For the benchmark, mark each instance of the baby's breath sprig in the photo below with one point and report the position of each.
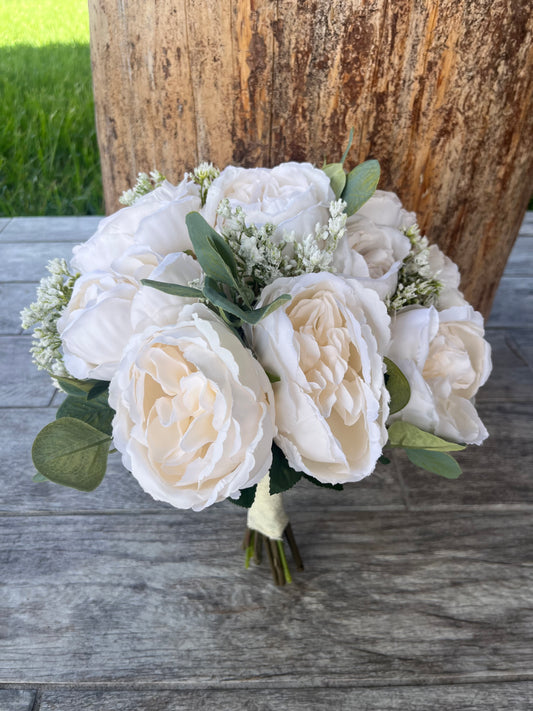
(53, 294)
(417, 282)
(203, 176)
(261, 259)
(144, 185)
(315, 252)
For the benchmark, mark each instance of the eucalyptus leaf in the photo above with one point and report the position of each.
(71, 452)
(212, 252)
(408, 436)
(282, 475)
(361, 184)
(439, 463)
(95, 412)
(397, 385)
(324, 485)
(246, 499)
(337, 177)
(173, 289)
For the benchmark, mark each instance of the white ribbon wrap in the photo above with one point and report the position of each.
(267, 514)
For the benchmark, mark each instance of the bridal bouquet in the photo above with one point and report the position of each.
(248, 328)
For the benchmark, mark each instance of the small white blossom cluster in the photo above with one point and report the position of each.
(261, 259)
(53, 295)
(417, 282)
(203, 175)
(315, 252)
(145, 184)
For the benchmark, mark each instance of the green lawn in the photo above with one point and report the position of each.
(49, 162)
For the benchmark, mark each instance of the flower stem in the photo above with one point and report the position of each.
(283, 559)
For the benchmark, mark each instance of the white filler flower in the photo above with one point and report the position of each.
(326, 346)
(194, 420)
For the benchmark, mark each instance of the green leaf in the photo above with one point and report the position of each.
(383, 459)
(95, 412)
(250, 316)
(71, 452)
(272, 377)
(397, 385)
(37, 478)
(246, 499)
(439, 463)
(99, 389)
(82, 388)
(337, 177)
(350, 140)
(361, 184)
(324, 485)
(174, 289)
(408, 436)
(282, 475)
(212, 252)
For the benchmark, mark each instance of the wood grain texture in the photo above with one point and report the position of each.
(479, 697)
(16, 700)
(49, 229)
(165, 599)
(440, 92)
(26, 262)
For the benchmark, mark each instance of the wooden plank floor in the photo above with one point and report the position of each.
(417, 593)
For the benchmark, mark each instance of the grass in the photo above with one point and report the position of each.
(49, 163)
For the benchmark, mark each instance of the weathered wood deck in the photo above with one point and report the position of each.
(417, 593)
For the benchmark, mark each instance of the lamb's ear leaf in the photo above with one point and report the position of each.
(173, 289)
(439, 463)
(213, 254)
(408, 436)
(337, 177)
(361, 184)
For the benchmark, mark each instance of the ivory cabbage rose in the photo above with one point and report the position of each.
(446, 360)
(374, 246)
(96, 326)
(293, 196)
(326, 347)
(194, 421)
(156, 221)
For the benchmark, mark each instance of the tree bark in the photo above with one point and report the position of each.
(439, 91)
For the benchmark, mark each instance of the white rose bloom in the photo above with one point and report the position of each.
(374, 246)
(156, 221)
(446, 360)
(152, 307)
(447, 272)
(96, 326)
(326, 346)
(194, 420)
(293, 196)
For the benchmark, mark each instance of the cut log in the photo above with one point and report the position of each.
(440, 92)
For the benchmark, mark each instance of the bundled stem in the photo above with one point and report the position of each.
(253, 545)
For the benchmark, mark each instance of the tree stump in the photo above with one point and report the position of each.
(439, 91)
